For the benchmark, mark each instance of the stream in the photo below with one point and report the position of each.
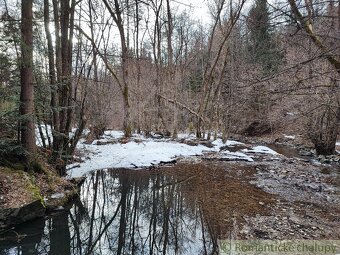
(185, 209)
(173, 210)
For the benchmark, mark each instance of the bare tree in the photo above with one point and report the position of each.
(216, 56)
(324, 126)
(116, 15)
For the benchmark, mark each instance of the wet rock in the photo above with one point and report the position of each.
(78, 180)
(261, 234)
(324, 160)
(306, 153)
(27, 212)
(167, 163)
(228, 156)
(104, 142)
(59, 208)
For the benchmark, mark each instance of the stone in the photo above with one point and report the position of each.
(13, 216)
(305, 153)
(57, 195)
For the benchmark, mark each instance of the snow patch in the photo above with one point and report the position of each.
(132, 154)
(292, 137)
(236, 156)
(145, 152)
(113, 134)
(218, 143)
(261, 149)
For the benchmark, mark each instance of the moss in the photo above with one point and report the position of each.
(12, 165)
(21, 186)
(35, 191)
(32, 189)
(37, 167)
(40, 181)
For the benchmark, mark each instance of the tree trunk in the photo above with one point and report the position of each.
(325, 148)
(27, 88)
(52, 76)
(116, 14)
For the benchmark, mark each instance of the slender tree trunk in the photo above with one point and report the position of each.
(139, 120)
(57, 138)
(116, 14)
(157, 37)
(171, 68)
(52, 77)
(27, 88)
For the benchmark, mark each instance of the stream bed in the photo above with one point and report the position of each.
(186, 209)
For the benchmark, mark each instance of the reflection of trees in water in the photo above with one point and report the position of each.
(181, 210)
(129, 212)
(59, 235)
(126, 212)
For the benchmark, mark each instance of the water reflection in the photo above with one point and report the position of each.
(140, 212)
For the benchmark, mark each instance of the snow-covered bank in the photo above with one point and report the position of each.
(142, 152)
(132, 154)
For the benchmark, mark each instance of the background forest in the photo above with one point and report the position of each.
(247, 67)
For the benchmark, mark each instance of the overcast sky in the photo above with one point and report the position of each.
(198, 8)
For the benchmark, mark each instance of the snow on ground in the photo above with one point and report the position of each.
(144, 152)
(236, 156)
(132, 154)
(292, 137)
(261, 149)
(218, 143)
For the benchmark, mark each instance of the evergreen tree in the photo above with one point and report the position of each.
(263, 49)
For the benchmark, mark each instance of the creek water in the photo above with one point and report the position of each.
(176, 210)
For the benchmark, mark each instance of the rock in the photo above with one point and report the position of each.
(13, 216)
(78, 180)
(57, 195)
(261, 234)
(305, 153)
(325, 161)
(59, 208)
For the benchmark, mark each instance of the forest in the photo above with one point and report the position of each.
(251, 86)
(149, 67)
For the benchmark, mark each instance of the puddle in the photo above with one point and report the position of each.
(183, 209)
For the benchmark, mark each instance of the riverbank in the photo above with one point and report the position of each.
(26, 196)
(188, 207)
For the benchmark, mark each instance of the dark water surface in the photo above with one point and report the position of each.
(170, 211)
